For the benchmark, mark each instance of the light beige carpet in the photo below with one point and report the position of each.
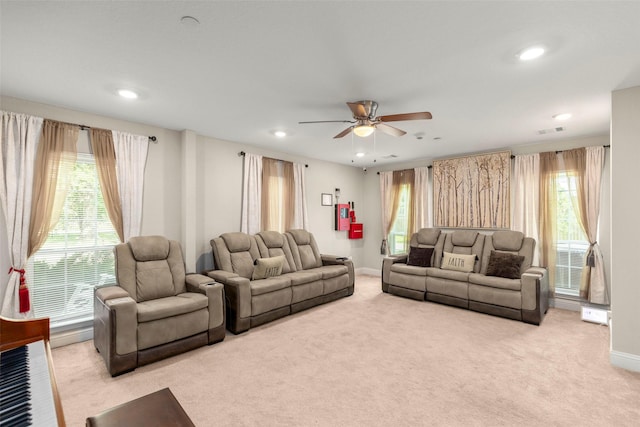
(374, 359)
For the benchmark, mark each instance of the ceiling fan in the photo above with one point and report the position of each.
(365, 120)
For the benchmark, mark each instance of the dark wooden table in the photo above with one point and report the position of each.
(156, 409)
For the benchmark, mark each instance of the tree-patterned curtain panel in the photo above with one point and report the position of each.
(472, 191)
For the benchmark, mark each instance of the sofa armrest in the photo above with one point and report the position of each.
(194, 280)
(387, 262)
(214, 292)
(336, 260)
(221, 275)
(535, 294)
(115, 326)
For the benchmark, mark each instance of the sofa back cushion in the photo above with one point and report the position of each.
(150, 267)
(465, 242)
(304, 249)
(235, 252)
(273, 244)
(512, 242)
(429, 238)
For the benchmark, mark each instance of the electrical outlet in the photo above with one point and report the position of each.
(595, 315)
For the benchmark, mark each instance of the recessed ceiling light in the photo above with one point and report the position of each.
(126, 93)
(531, 53)
(359, 154)
(562, 116)
(280, 133)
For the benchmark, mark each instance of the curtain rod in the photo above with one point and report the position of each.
(85, 127)
(560, 151)
(513, 156)
(242, 153)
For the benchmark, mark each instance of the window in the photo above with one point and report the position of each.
(571, 243)
(78, 253)
(399, 235)
(278, 204)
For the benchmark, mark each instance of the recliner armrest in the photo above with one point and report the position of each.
(105, 293)
(195, 280)
(122, 313)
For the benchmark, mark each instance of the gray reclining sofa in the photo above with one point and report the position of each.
(270, 275)
(497, 279)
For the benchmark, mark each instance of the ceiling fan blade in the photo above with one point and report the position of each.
(357, 109)
(407, 116)
(390, 130)
(327, 121)
(344, 132)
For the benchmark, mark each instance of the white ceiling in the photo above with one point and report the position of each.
(250, 68)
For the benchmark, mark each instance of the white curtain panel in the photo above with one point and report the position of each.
(131, 159)
(421, 206)
(20, 134)
(526, 195)
(300, 219)
(386, 202)
(251, 194)
(598, 293)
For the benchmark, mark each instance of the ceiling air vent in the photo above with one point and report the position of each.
(551, 130)
(390, 156)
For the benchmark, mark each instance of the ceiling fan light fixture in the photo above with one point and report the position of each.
(363, 131)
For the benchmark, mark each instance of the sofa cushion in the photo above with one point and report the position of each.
(149, 248)
(267, 267)
(153, 280)
(304, 277)
(428, 236)
(465, 238)
(330, 271)
(504, 264)
(270, 284)
(507, 240)
(304, 249)
(237, 242)
(273, 243)
(459, 276)
(458, 262)
(171, 306)
(495, 282)
(420, 257)
(403, 268)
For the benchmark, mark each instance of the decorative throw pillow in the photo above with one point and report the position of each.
(503, 264)
(458, 262)
(267, 267)
(420, 257)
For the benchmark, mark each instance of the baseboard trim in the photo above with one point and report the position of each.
(623, 360)
(60, 339)
(565, 304)
(368, 271)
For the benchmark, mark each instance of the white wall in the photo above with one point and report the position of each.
(625, 233)
(220, 189)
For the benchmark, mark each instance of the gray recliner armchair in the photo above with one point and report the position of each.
(155, 310)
